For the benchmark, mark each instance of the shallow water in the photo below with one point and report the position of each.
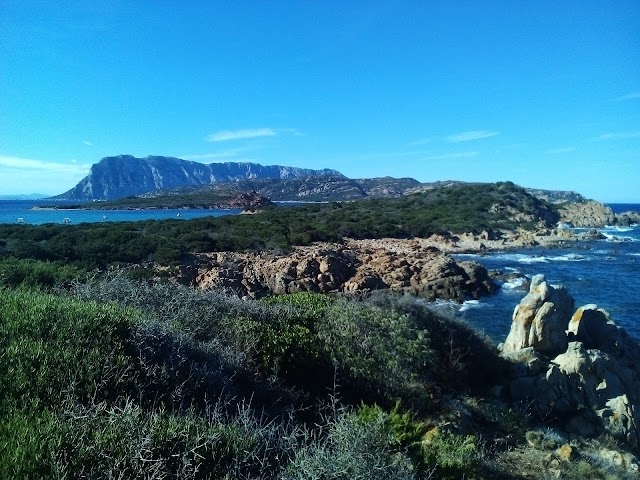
(12, 210)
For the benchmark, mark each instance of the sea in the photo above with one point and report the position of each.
(27, 210)
(602, 272)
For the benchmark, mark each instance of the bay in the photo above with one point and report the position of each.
(12, 210)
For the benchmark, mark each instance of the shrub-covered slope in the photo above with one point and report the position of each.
(128, 380)
(457, 208)
(118, 379)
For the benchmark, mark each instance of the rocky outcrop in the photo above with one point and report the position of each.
(627, 218)
(592, 385)
(250, 201)
(587, 214)
(540, 320)
(351, 267)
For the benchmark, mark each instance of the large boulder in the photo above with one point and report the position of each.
(592, 384)
(587, 214)
(540, 320)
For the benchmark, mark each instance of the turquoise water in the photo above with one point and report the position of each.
(12, 210)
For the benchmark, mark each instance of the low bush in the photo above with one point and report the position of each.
(36, 273)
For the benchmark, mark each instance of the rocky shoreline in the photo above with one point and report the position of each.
(423, 267)
(575, 368)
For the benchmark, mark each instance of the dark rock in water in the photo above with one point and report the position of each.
(591, 235)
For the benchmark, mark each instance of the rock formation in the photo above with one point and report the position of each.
(351, 267)
(250, 201)
(589, 381)
(587, 214)
(540, 320)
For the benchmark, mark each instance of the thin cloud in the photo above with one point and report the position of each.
(17, 163)
(226, 135)
(26, 175)
(470, 136)
(629, 96)
(451, 156)
(88, 143)
(618, 135)
(557, 151)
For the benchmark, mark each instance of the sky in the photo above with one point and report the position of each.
(542, 93)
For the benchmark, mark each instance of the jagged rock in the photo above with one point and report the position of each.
(250, 201)
(355, 266)
(587, 214)
(541, 318)
(593, 384)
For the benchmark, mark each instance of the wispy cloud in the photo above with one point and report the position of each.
(25, 175)
(618, 135)
(88, 143)
(18, 163)
(558, 151)
(629, 96)
(226, 135)
(470, 136)
(451, 156)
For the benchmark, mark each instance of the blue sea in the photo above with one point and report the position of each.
(604, 272)
(12, 210)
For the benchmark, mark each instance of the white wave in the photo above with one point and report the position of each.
(618, 238)
(468, 304)
(514, 283)
(618, 228)
(521, 258)
(635, 254)
(570, 257)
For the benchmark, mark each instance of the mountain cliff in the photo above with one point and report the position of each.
(125, 175)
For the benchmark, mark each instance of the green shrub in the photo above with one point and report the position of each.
(453, 456)
(53, 345)
(351, 449)
(36, 273)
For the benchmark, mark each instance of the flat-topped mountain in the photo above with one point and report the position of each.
(125, 175)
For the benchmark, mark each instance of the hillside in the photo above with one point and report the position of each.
(456, 209)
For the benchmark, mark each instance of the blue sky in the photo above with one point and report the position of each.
(543, 93)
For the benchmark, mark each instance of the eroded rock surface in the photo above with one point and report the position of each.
(593, 384)
(349, 267)
(540, 320)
